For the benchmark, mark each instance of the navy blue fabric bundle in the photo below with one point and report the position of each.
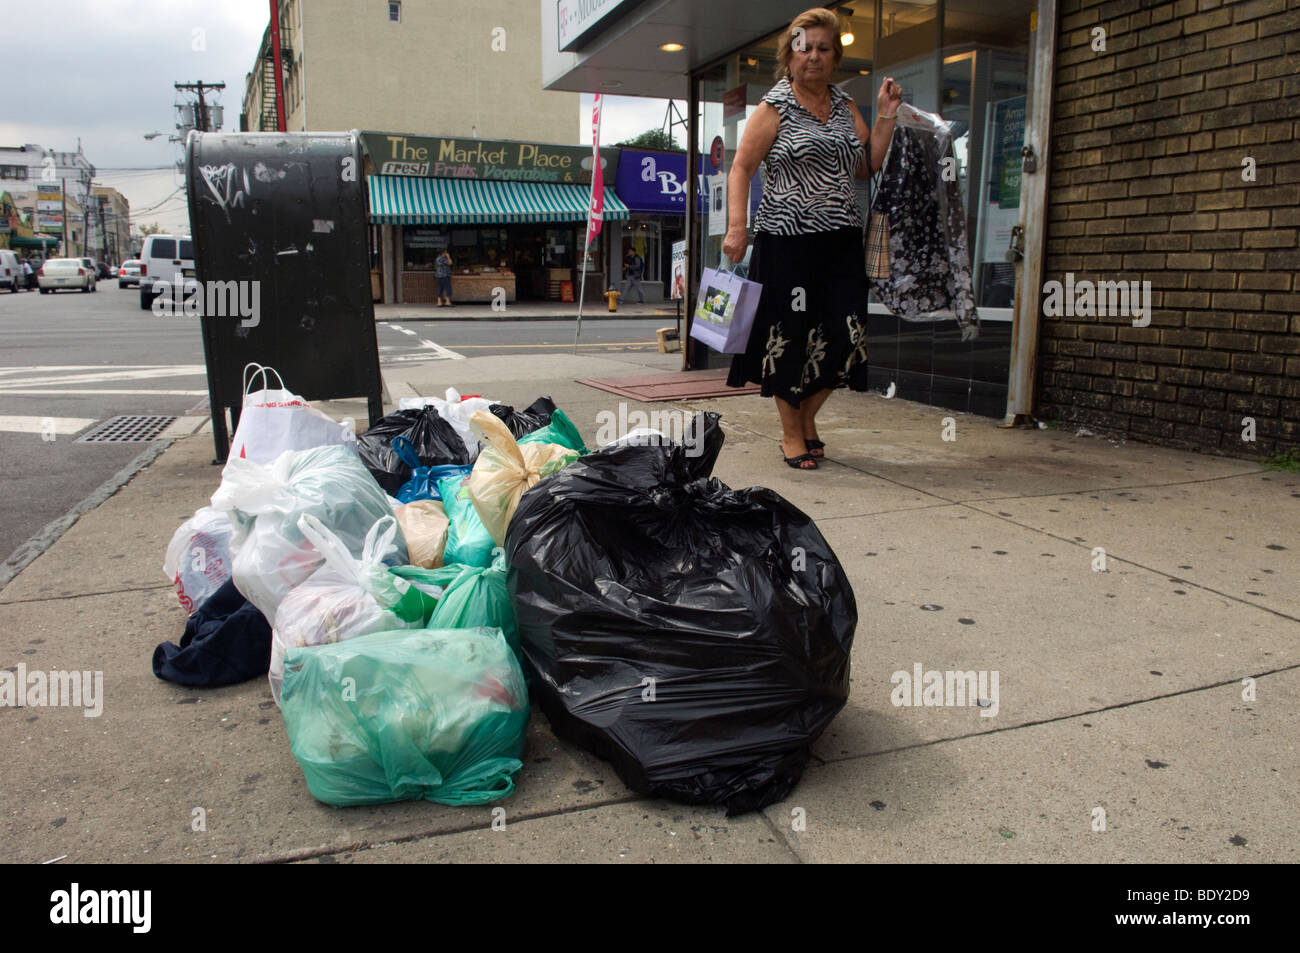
(226, 641)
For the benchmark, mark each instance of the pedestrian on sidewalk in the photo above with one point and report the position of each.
(443, 264)
(809, 335)
(633, 269)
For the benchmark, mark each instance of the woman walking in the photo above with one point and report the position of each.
(809, 336)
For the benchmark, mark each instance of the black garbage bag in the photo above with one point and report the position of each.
(226, 641)
(435, 441)
(696, 636)
(533, 417)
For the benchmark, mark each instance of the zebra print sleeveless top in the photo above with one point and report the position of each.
(809, 185)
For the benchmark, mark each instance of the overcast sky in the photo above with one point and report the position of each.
(105, 75)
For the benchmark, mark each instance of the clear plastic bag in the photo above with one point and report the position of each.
(198, 557)
(346, 597)
(270, 554)
(436, 714)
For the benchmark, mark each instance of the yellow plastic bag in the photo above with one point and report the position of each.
(424, 524)
(505, 469)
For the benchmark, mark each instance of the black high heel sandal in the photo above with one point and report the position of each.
(815, 445)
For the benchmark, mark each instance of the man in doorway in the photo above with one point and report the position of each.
(633, 269)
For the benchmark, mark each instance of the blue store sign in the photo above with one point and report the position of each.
(654, 183)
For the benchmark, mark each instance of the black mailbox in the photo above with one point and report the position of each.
(282, 263)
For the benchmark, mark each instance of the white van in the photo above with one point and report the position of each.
(168, 258)
(12, 275)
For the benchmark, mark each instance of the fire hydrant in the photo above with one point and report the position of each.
(613, 297)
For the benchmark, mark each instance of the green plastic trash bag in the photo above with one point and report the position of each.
(432, 714)
(560, 430)
(468, 541)
(430, 582)
(478, 596)
(346, 597)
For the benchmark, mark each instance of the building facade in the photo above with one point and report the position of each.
(426, 66)
(1129, 171)
(53, 190)
(111, 228)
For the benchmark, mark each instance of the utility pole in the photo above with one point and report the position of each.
(201, 116)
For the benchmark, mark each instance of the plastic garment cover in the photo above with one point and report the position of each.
(198, 557)
(697, 637)
(435, 442)
(423, 484)
(505, 469)
(270, 554)
(468, 541)
(559, 431)
(456, 410)
(533, 417)
(424, 524)
(346, 597)
(929, 261)
(433, 714)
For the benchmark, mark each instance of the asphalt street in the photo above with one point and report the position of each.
(71, 360)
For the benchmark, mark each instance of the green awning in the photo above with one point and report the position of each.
(408, 200)
(17, 241)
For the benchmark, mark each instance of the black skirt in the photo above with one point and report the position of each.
(810, 332)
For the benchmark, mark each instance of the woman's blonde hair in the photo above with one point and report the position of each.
(809, 19)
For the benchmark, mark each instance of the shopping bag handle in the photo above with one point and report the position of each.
(261, 371)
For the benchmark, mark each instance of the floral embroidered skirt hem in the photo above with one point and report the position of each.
(810, 332)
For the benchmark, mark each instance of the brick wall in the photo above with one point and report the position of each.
(1146, 183)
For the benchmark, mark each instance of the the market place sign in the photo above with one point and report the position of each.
(490, 159)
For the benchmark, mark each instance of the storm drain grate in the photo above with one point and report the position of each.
(128, 429)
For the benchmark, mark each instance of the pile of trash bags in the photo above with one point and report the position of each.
(404, 591)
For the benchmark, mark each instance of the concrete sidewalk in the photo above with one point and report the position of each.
(1120, 693)
(524, 311)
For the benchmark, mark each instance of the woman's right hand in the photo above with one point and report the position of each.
(734, 244)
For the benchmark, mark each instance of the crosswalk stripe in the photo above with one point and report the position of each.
(442, 351)
(64, 426)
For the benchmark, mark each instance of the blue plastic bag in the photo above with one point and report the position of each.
(423, 484)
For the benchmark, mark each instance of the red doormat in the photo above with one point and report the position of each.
(682, 385)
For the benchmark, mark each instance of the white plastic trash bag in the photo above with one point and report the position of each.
(455, 411)
(270, 553)
(505, 469)
(274, 419)
(198, 557)
(344, 598)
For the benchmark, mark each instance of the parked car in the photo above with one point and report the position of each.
(128, 275)
(165, 258)
(58, 273)
(11, 271)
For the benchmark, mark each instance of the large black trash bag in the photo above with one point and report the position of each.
(520, 422)
(632, 564)
(226, 641)
(436, 443)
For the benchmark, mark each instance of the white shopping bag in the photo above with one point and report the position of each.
(274, 419)
(724, 313)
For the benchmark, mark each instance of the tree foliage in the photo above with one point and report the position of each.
(654, 139)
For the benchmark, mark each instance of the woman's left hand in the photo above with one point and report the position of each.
(889, 98)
